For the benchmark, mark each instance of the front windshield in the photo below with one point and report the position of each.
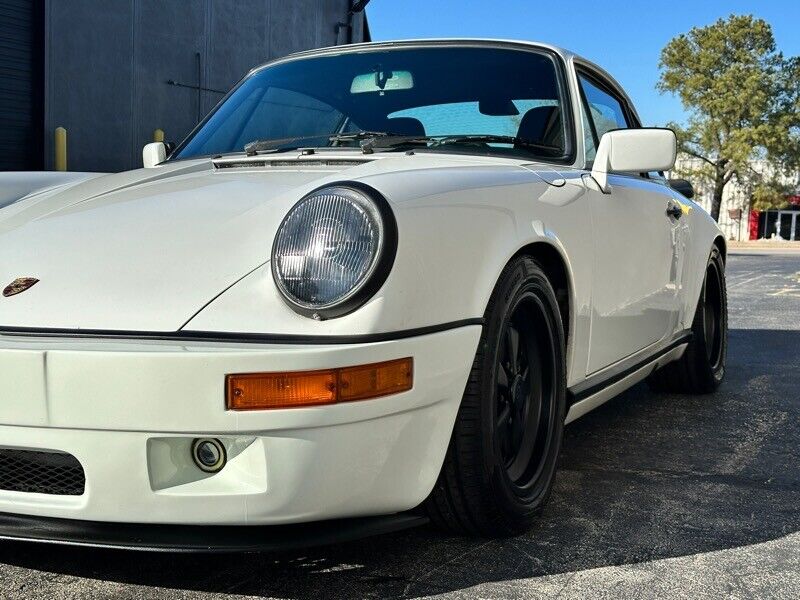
(434, 91)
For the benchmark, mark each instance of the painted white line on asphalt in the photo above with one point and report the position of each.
(739, 283)
(794, 292)
(739, 276)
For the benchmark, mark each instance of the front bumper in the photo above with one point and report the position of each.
(128, 411)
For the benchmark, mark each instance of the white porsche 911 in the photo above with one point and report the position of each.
(368, 290)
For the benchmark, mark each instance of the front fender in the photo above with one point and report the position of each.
(457, 230)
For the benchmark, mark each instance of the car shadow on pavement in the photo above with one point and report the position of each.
(647, 476)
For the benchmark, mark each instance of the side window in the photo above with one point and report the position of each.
(606, 112)
(588, 136)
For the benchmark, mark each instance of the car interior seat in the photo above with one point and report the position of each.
(542, 125)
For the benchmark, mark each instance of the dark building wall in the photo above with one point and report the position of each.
(108, 64)
(21, 79)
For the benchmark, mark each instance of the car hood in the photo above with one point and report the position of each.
(148, 250)
(143, 250)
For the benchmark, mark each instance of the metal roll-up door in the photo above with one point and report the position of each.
(21, 82)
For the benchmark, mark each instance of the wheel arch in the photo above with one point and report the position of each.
(693, 283)
(720, 243)
(556, 267)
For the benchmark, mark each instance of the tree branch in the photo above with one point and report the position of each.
(729, 176)
(698, 155)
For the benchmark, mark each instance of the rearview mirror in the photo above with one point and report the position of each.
(382, 81)
(154, 154)
(634, 151)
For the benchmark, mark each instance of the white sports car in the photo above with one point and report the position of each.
(368, 290)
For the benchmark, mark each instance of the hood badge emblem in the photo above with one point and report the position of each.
(19, 285)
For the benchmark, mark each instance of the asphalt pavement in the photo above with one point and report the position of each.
(657, 496)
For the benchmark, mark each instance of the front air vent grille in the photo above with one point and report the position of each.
(41, 472)
(295, 164)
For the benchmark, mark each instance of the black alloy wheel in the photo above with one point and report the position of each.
(526, 398)
(701, 369)
(500, 465)
(714, 326)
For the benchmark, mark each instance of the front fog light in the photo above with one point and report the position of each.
(208, 454)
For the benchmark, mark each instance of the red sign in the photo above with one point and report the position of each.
(753, 224)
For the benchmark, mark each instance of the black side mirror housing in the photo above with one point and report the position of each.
(682, 186)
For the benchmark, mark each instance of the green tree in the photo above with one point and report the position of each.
(743, 100)
(770, 194)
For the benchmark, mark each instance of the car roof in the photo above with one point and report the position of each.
(563, 52)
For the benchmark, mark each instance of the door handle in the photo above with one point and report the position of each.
(674, 210)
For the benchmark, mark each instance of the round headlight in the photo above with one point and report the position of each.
(334, 250)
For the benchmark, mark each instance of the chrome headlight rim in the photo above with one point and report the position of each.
(379, 269)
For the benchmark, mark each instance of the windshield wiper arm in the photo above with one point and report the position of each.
(493, 139)
(391, 140)
(274, 145)
(383, 139)
(436, 141)
(358, 135)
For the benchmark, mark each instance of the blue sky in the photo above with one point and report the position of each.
(625, 39)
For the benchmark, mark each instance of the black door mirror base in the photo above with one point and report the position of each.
(683, 186)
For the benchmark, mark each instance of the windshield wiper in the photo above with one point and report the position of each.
(436, 141)
(277, 145)
(358, 135)
(391, 140)
(383, 139)
(493, 139)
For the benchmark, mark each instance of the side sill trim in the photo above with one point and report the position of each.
(598, 383)
(245, 338)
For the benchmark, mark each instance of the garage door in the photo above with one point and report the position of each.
(21, 79)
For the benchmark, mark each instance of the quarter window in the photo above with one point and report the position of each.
(606, 112)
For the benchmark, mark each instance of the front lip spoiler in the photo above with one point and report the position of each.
(199, 538)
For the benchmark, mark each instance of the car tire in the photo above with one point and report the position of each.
(701, 369)
(500, 464)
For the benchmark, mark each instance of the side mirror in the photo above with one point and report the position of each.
(154, 154)
(634, 151)
(682, 186)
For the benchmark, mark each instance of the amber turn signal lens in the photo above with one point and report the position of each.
(254, 391)
(371, 381)
(260, 391)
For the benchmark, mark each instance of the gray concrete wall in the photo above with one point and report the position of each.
(107, 64)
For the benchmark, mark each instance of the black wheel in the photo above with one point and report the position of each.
(701, 369)
(500, 465)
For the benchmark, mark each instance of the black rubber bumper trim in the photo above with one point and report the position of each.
(199, 538)
(596, 384)
(244, 338)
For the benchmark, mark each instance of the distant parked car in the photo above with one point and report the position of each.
(375, 278)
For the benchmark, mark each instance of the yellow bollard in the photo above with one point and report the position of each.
(158, 135)
(61, 149)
